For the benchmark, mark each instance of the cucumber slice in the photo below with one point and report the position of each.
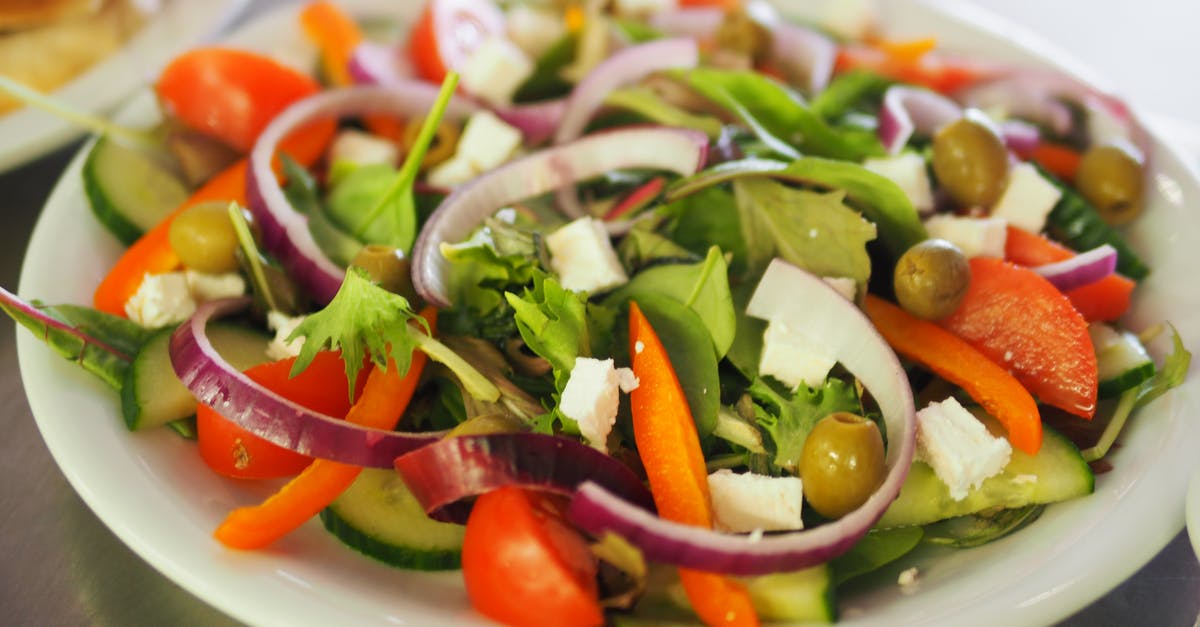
(128, 190)
(1057, 473)
(380, 518)
(152, 395)
(1122, 360)
(803, 596)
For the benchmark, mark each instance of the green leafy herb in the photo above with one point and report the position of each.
(546, 81)
(848, 91)
(642, 247)
(649, 105)
(553, 321)
(875, 550)
(498, 258)
(812, 230)
(788, 419)
(301, 188)
(707, 218)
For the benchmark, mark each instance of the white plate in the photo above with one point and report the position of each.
(156, 495)
(30, 133)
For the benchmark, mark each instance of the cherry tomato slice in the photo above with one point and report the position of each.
(448, 31)
(524, 565)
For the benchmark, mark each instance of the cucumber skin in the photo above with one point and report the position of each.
(1076, 222)
(125, 231)
(400, 557)
(1129, 379)
(925, 499)
(164, 191)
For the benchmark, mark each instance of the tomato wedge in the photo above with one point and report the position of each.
(523, 564)
(235, 452)
(448, 31)
(229, 94)
(1021, 321)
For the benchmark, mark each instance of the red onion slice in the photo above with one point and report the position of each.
(806, 56)
(268, 415)
(537, 121)
(1082, 269)
(681, 151)
(1041, 96)
(442, 475)
(821, 312)
(285, 231)
(694, 22)
(1020, 137)
(909, 110)
(377, 64)
(624, 67)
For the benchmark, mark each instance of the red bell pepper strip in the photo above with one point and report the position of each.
(670, 452)
(1021, 321)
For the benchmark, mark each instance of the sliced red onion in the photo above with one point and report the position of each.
(694, 22)
(377, 64)
(1042, 96)
(678, 150)
(444, 474)
(1020, 137)
(537, 121)
(268, 415)
(908, 110)
(624, 67)
(284, 230)
(1082, 269)
(811, 305)
(805, 56)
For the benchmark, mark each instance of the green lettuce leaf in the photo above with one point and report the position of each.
(558, 324)
(815, 231)
(646, 103)
(788, 419)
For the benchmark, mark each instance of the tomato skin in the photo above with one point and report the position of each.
(232, 451)
(524, 565)
(1022, 322)
(229, 94)
(422, 47)
(448, 32)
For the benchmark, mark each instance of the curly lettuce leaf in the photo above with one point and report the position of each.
(558, 324)
(787, 420)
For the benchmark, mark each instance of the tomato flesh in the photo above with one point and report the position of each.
(523, 564)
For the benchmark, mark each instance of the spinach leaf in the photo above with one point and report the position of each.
(875, 550)
(707, 218)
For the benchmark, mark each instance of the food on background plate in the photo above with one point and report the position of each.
(719, 311)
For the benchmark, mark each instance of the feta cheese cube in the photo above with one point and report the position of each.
(451, 172)
(495, 70)
(844, 285)
(534, 29)
(161, 300)
(359, 148)
(907, 171)
(643, 8)
(1027, 199)
(583, 257)
(745, 503)
(283, 325)
(792, 357)
(206, 287)
(975, 237)
(591, 397)
(486, 142)
(958, 447)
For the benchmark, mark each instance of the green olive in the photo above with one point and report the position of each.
(203, 238)
(931, 279)
(441, 148)
(1110, 177)
(970, 160)
(485, 424)
(389, 268)
(842, 463)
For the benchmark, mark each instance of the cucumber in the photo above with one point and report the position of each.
(128, 190)
(380, 518)
(802, 596)
(152, 395)
(1057, 473)
(1122, 360)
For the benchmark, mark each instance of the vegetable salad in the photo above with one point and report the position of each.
(635, 311)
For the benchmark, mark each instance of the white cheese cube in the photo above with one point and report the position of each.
(643, 8)
(583, 257)
(451, 172)
(591, 397)
(792, 357)
(907, 171)
(1027, 199)
(495, 70)
(744, 503)
(283, 325)
(958, 447)
(161, 300)
(534, 29)
(486, 142)
(975, 237)
(359, 148)
(206, 287)
(844, 285)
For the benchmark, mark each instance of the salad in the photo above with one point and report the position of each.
(681, 248)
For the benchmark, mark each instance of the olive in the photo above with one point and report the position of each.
(841, 464)
(740, 33)
(1110, 177)
(441, 148)
(203, 238)
(931, 279)
(387, 267)
(485, 424)
(970, 160)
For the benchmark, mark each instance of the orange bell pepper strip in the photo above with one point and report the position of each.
(912, 64)
(670, 451)
(384, 399)
(958, 362)
(1061, 161)
(1106, 299)
(152, 253)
